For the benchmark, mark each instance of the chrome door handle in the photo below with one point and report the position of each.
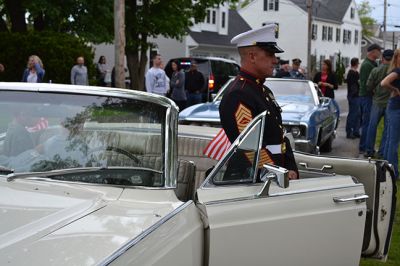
(356, 198)
(325, 166)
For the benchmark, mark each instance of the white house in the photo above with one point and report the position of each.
(336, 27)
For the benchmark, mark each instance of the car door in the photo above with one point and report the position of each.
(314, 221)
(377, 177)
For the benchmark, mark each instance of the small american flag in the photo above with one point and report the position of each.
(218, 146)
(41, 124)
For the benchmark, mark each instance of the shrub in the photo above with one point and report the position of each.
(57, 51)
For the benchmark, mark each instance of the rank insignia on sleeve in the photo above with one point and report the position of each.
(243, 116)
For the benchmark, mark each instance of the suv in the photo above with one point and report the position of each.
(216, 71)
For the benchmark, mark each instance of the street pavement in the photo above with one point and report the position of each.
(342, 146)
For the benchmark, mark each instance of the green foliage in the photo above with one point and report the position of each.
(57, 51)
(340, 69)
(91, 20)
(364, 12)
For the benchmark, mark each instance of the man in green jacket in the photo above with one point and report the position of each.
(379, 101)
(374, 52)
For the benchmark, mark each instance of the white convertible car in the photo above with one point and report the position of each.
(100, 176)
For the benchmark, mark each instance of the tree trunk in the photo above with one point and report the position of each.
(38, 22)
(17, 15)
(119, 43)
(132, 57)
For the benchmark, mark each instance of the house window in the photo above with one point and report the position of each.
(356, 37)
(214, 17)
(324, 32)
(208, 18)
(337, 35)
(349, 36)
(330, 33)
(352, 12)
(271, 5)
(277, 30)
(344, 36)
(223, 20)
(321, 60)
(314, 31)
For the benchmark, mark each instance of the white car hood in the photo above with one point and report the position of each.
(42, 223)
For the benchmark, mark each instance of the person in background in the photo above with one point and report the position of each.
(379, 102)
(101, 71)
(373, 53)
(296, 72)
(194, 84)
(177, 86)
(2, 70)
(156, 79)
(353, 88)
(326, 79)
(283, 71)
(392, 83)
(79, 73)
(34, 72)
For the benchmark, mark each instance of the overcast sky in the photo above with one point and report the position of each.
(392, 15)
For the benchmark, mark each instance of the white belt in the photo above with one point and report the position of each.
(274, 149)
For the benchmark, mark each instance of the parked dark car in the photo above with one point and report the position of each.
(216, 71)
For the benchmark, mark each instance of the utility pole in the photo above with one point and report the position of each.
(384, 23)
(119, 42)
(309, 37)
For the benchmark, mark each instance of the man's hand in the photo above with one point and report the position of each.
(293, 175)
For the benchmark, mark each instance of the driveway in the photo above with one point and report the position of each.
(342, 146)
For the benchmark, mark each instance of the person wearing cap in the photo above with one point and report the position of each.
(373, 53)
(379, 102)
(283, 71)
(296, 72)
(392, 83)
(247, 96)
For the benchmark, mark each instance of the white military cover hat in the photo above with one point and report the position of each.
(263, 37)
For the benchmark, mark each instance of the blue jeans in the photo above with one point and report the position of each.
(353, 118)
(393, 136)
(193, 98)
(365, 106)
(376, 114)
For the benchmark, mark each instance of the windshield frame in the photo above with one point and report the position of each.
(171, 114)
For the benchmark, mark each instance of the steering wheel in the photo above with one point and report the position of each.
(130, 155)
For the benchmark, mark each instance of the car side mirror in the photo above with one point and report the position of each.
(324, 101)
(274, 173)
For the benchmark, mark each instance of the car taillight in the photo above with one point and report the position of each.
(211, 82)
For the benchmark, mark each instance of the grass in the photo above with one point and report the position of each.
(394, 252)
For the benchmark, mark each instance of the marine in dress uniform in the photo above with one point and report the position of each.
(247, 96)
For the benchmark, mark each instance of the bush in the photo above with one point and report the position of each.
(57, 51)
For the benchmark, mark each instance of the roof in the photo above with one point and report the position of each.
(331, 10)
(236, 25)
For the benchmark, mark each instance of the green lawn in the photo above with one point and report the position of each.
(394, 252)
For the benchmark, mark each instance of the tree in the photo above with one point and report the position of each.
(147, 18)
(91, 20)
(364, 12)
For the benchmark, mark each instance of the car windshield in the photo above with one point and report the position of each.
(51, 131)
(291, 91)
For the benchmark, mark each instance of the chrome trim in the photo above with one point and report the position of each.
(280, 194)
(144, 234)
(171, 154)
